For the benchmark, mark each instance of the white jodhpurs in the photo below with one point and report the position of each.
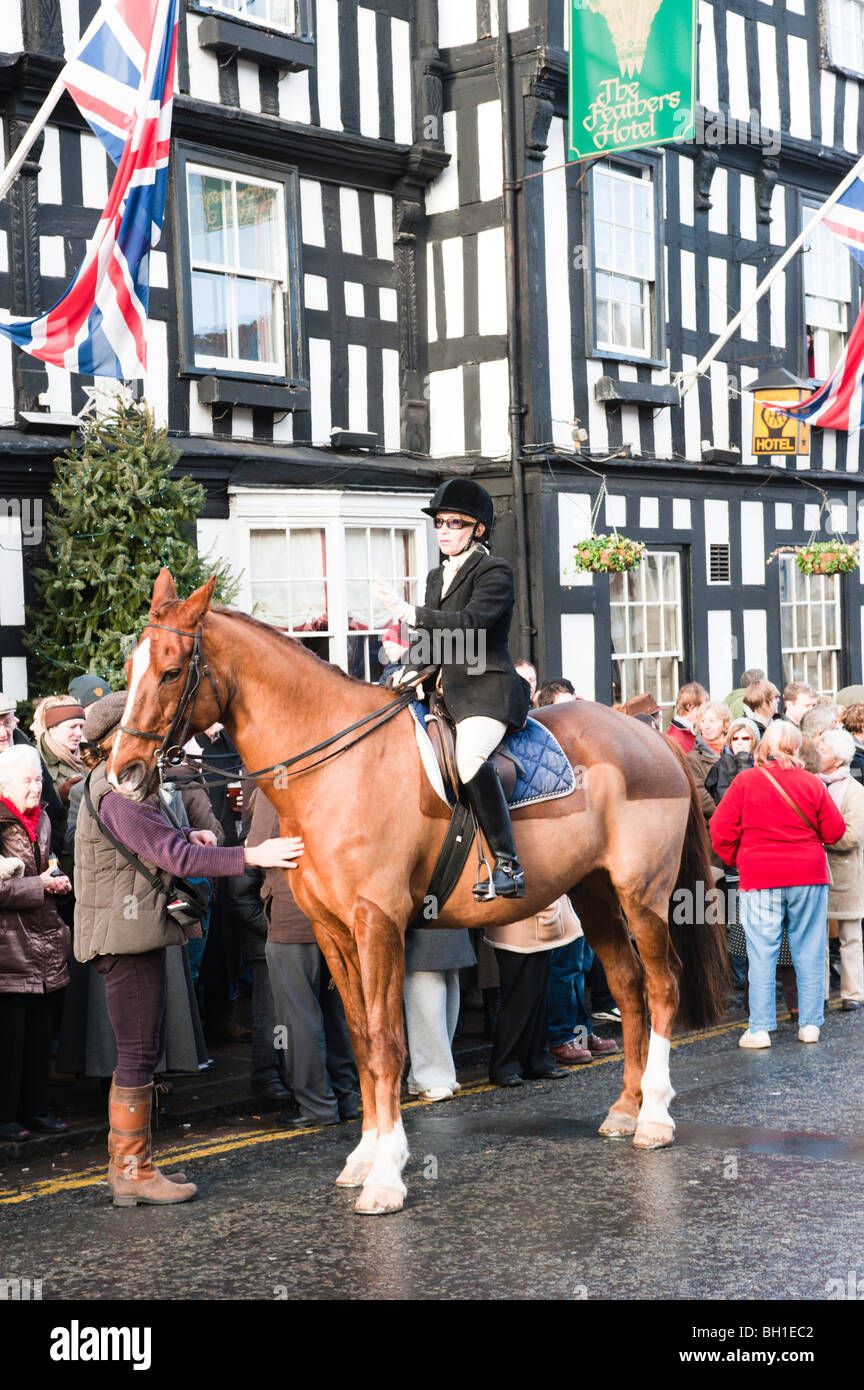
(476, 738)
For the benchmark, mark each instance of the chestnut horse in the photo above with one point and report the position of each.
(372, 825)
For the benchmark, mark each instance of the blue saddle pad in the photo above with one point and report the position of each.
(545, 774)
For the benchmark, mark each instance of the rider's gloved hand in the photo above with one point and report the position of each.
(389, 599)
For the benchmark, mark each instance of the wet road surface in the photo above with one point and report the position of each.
(511, 1195)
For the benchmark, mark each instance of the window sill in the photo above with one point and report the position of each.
(269, 47)
(219, 390)
(608, 391)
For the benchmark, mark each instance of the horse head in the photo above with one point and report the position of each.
(165, 694)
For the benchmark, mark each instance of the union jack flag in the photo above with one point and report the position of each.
(846, 220)
(838, 404)
(123, 82)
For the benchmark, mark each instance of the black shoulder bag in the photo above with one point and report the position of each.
(186, 903)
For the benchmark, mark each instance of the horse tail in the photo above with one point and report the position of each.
(695, 922)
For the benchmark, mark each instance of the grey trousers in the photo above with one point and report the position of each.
(267, 1060)
(318, 1062)
(431, 1014)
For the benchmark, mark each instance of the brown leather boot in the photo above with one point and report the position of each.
(132, 1175)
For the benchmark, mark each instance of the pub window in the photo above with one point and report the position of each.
(846, 33)
(625, 270)
(827, 299)
(647, 630)
(275, 14)
(238, 271)
(315, 582)
(809, 627)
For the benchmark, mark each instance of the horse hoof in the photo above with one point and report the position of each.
(378, 1201)
(653, 1135)
(618, 1125)
(354, 1175)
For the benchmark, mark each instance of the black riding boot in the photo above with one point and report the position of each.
(486, 799)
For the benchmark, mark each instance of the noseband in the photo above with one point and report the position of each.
(171, 752)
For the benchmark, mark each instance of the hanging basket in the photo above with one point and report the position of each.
(607, 555)
(823, 557)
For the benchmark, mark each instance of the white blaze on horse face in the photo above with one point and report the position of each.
(657, 1089)
(140, 665)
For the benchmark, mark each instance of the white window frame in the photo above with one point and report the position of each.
(800, 659)
(278, 277)
(845, 40)
(827, 267)
(334, 512)
(650, 680)
(603, 263)
(237, 10)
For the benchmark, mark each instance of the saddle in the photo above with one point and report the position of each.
(442, 735)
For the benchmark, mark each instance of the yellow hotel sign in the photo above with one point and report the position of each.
(775, 435)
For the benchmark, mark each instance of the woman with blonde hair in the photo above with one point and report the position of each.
(773, 824)
(714, 724)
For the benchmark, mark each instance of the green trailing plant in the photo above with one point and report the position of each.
(607, 554)
(823, 557)
(117, 515)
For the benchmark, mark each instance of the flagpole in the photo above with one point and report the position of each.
(40, 120)
(689, 379)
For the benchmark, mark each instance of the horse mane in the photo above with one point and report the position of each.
(247, 618)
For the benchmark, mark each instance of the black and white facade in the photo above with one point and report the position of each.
(345, 252)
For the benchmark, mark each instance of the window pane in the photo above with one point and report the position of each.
(654, 628)
(619, 639)
(258, 228)
(211, 219)
(210, 314)
(256, 321)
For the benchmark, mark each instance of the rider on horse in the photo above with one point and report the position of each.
(473, 590)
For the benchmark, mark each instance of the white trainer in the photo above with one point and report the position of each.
(809, 1033)
(760, 1039)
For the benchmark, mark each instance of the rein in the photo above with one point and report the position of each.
(171, 752)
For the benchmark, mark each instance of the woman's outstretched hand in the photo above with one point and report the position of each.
(276, 854)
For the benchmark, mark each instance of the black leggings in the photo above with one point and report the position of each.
(26, 1022)
(136, 993)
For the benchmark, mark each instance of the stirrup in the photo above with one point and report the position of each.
(484, 889)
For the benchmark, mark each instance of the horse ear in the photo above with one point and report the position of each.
(196, 604)
(163, 590)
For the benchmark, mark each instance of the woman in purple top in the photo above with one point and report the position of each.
(123, 926)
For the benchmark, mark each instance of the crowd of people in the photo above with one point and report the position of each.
(145, 992)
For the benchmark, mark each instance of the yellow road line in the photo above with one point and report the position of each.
(92, 1177)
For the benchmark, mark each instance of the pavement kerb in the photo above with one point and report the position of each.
(92, 1177)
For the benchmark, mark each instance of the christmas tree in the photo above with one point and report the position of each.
(118, 516)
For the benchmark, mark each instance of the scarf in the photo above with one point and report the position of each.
(29, 819)
(836, 783)
(454, 563)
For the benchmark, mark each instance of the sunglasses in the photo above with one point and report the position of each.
(456, 523)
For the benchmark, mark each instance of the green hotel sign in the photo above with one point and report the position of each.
(632, 74)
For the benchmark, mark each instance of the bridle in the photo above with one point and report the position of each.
(171, 752)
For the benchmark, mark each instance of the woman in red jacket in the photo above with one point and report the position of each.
(773, 824)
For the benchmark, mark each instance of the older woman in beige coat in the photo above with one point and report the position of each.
(846, 858)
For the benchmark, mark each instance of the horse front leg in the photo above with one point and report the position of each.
(382, 966)
(340, 951)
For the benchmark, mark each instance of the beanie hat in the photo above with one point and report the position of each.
(58, 714)
(744, 723)
(86, 689)
(104, 715)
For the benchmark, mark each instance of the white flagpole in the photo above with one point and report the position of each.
(13, 168)
(689, 379)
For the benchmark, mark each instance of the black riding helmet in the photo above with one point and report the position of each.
(464, 495)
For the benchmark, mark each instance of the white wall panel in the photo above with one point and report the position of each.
(294, 102)
(799, 83)
(491, 282)
(752, 543)
(720, 677)
(370, 100)
(400, 47)
(755, 640)
(457, 23)
(577, 652)
(327, 48)
(319, 383)
(489, 142)
(443, 194)
(574, 524)
(494, 407)
(203, 66)
(446, 413)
